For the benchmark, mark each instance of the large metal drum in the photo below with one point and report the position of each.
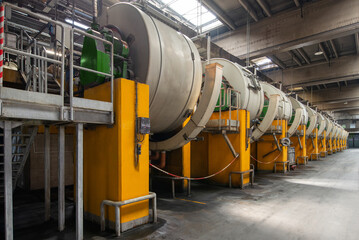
(312, 120)
(251, 92)
(321, 124)
(164, 59)
(296, 104)
(285, 106)
(329, 127)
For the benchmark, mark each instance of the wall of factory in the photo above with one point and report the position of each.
(34, 170)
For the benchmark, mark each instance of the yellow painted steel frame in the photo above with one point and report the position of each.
(212, 154)
(335, 145)
(266, 144)
(110, 169)
(322, 145)
(340, 144)
(300, 153)
(219, 154)
(330, 144)
(313, 149)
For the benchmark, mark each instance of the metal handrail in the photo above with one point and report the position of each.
(73, 66)
(38, 57)
(39, 81)
(221, 104)
(118, 205)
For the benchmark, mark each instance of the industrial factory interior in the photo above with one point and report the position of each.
(179, 119)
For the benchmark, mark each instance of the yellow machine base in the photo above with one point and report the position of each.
(300, 147)
(218, 155)
(110, 169)
(312, 146)
(267, 153)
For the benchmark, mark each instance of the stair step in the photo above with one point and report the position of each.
(14, 154)
(15, 145)
(14, 170)
(13, 163)
(17, 135)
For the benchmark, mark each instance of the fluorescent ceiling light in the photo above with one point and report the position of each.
(317, 53)
(77, 24)
(296, 89)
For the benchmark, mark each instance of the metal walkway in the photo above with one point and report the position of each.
(45, 100)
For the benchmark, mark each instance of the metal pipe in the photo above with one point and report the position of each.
(47, 174)
(62, 68)
(90, 70)
(112, 84)
(2, 28)
(34, 80)
(14, 51)
(118, 205)
(208, 48)
(30, 13)
(71, 83)
(61, 181)
(45, 63)
(233, 151)
(95, 11)
(91, 36)
(79, 182)
(8, 181)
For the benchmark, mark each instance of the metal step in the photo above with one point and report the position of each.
(21, 151)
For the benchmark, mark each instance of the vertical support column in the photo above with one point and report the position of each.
(47, 174)
(61, 180)
(316, 150)
(244, 145)
(304, 143)
(186, 166)
(79, 182)
(8, 181)
(2, 13)
(284, 156)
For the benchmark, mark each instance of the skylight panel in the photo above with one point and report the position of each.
(211, 26)
(189, 10)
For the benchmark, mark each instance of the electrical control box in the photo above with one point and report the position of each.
(143, 125)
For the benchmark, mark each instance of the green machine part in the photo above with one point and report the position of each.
(223, 98)
(265, 107)
(292, 118)
(96, 56)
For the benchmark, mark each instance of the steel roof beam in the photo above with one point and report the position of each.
(219, 13)
(325, 55)
(265, 7)
(275, 60)
(304, 55)
(249, 9)
(284, 32)
(334, 48)
(357, 42)
(295, 58)
(297, 3)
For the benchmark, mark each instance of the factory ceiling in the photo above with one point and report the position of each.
(307, 45)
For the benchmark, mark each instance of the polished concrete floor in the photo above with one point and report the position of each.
(319, 201)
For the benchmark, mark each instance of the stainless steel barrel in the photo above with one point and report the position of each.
(164, 59)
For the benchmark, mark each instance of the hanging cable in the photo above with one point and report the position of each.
(266, 162)
(200, 178)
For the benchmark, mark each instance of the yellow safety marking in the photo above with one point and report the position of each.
(187, 200)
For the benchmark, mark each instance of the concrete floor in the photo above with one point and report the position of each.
(319, 201)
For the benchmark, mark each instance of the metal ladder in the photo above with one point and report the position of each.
(21, 144)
